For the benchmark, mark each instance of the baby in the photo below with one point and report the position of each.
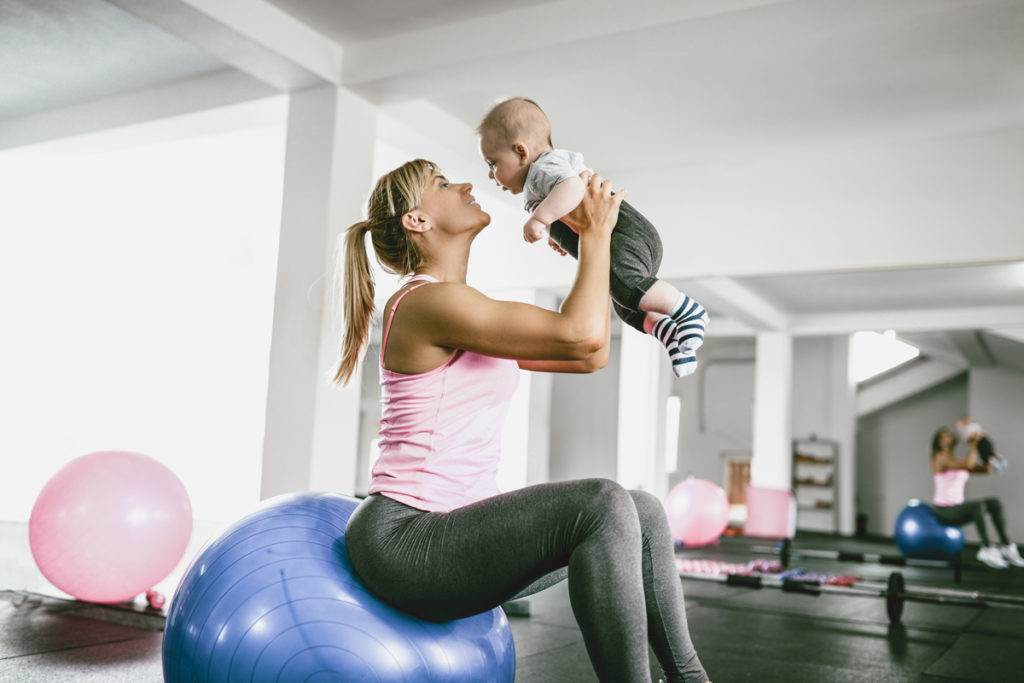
(972, 431)
(515, 141)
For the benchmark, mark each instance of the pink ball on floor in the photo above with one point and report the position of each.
(108, 526)
(698, 512)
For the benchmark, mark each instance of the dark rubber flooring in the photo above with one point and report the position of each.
(741, 634)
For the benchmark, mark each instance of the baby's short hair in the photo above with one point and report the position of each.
(517, 118)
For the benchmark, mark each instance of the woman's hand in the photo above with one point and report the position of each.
(599, 209)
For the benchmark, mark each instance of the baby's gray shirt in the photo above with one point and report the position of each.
(548, 170)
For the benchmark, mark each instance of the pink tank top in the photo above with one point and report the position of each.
(949, 487)
(440, 433)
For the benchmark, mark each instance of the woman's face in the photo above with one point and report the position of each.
(452, 207)
(947, 439)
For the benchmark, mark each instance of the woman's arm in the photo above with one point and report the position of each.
(972, 463)
(455, 316)
(564, 197)
(592, 364)
(943, 462)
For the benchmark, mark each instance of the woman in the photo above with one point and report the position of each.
(435, 538)
(950, 474)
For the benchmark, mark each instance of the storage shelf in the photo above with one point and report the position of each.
(814, 473)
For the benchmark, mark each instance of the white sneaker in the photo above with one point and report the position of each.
(998, 463)
(1012, 555)
(991, 556)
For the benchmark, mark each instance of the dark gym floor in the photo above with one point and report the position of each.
(741, 634)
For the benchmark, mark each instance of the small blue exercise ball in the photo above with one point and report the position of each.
(919, 535)
(274, 598)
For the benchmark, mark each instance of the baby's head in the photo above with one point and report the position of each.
(512, 135)
(966, 426)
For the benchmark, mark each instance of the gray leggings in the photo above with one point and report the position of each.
(623, 583)
(636, 258)
(974, 511)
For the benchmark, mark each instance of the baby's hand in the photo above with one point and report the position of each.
(554, 245)
(533, 230)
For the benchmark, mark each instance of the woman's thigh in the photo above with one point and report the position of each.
(956, 515)
(447, 565)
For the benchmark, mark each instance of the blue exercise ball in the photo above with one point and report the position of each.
(274, 598)
(921, 536)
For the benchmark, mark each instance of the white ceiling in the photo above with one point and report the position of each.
(683, 84)
(888, 290)
(358, 21)
(55, 53)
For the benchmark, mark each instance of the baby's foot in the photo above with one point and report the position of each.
(684, 361)
(691, 320)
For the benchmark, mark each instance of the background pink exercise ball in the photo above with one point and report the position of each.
(698, 511)
(108, 526)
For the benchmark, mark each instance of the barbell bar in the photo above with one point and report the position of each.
(895, 591)
(787, 551)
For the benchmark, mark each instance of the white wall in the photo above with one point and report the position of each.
(136, 284)
(716, 417)
(584, 423)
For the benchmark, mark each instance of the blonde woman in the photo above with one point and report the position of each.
(435, 537)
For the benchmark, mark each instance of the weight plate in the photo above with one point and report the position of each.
(894, 597)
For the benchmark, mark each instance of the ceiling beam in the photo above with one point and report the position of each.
(394, 58)
(211, 91)
(254, 36)
(914, 320)
(931, 345)
(972, 345)
(1014, 333)
(904, 384)
(739, 302)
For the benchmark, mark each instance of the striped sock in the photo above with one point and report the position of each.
(684, 362)
(691, 320)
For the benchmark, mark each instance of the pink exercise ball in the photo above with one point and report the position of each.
(698, 512)
(110, 525)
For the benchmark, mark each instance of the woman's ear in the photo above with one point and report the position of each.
(416, 221)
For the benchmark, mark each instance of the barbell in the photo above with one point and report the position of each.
(895, 591)
(787, 552)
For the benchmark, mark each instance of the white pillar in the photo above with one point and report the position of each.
(513, 470)
(311, 428)
(772, 460)
(538, 458)
(641, 413)
(844, 430)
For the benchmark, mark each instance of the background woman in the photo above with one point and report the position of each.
(950, 475)
(435, 537)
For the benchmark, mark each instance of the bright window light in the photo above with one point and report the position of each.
(137, 284)
(872, 353)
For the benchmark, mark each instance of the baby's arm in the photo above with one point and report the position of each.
(564, 197)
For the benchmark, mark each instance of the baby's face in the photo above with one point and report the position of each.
(506, 168)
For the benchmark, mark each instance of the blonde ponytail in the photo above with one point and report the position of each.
(357, 301)
(395, 194)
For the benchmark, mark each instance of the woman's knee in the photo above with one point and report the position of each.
(994, 505)
(650, 511)
(608, 502)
